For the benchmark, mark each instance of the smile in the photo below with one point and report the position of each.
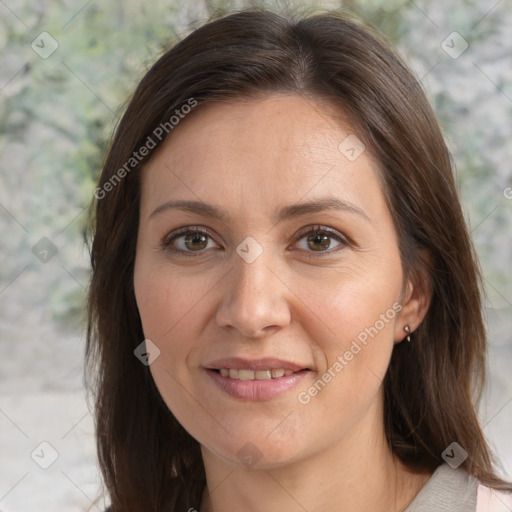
(241, 374)
(258, 385)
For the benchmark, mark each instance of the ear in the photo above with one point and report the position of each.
(417, 297)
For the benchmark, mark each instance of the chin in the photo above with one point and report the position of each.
(254, 451)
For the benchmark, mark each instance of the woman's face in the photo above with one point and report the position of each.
(260, 293)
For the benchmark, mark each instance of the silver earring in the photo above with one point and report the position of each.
(408, 331)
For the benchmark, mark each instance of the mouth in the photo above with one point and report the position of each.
(255, 369)
(244, 374)
(256, 380)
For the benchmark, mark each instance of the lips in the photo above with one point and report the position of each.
(257, 379)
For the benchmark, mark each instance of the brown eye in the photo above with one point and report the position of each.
(196, 241)
(187, 241)
(319, 240)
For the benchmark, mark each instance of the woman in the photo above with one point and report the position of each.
(284, 311)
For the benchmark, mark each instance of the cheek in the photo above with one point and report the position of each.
(168, 302)
(358, 312)
(174, 310)
(358, 304)
(169, 307)
(363, 313)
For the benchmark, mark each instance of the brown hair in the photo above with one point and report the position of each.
(432, 385)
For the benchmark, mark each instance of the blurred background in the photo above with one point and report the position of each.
(66, 71)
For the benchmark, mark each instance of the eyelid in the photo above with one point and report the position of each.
(179, 232)
(312, 228)
(169, 237)
(343, 239)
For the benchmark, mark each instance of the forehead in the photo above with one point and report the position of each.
(287, 122)
(261, 152)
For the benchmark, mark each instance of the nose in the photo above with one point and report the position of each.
(254, 298)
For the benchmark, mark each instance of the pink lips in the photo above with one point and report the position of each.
(256, 390)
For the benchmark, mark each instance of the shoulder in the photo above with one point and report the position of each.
(448, 490)
(454, 490)
(490, 500)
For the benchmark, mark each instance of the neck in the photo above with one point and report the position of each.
(359, 472)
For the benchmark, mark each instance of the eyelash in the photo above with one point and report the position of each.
(168, 239)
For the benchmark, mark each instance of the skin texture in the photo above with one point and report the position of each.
(251, 158)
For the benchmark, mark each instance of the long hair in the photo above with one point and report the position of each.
(433, 385)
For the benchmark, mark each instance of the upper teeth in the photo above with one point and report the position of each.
(273, 373)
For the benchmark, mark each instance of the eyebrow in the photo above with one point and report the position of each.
(285, 213)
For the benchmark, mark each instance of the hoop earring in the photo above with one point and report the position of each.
(408, 331)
